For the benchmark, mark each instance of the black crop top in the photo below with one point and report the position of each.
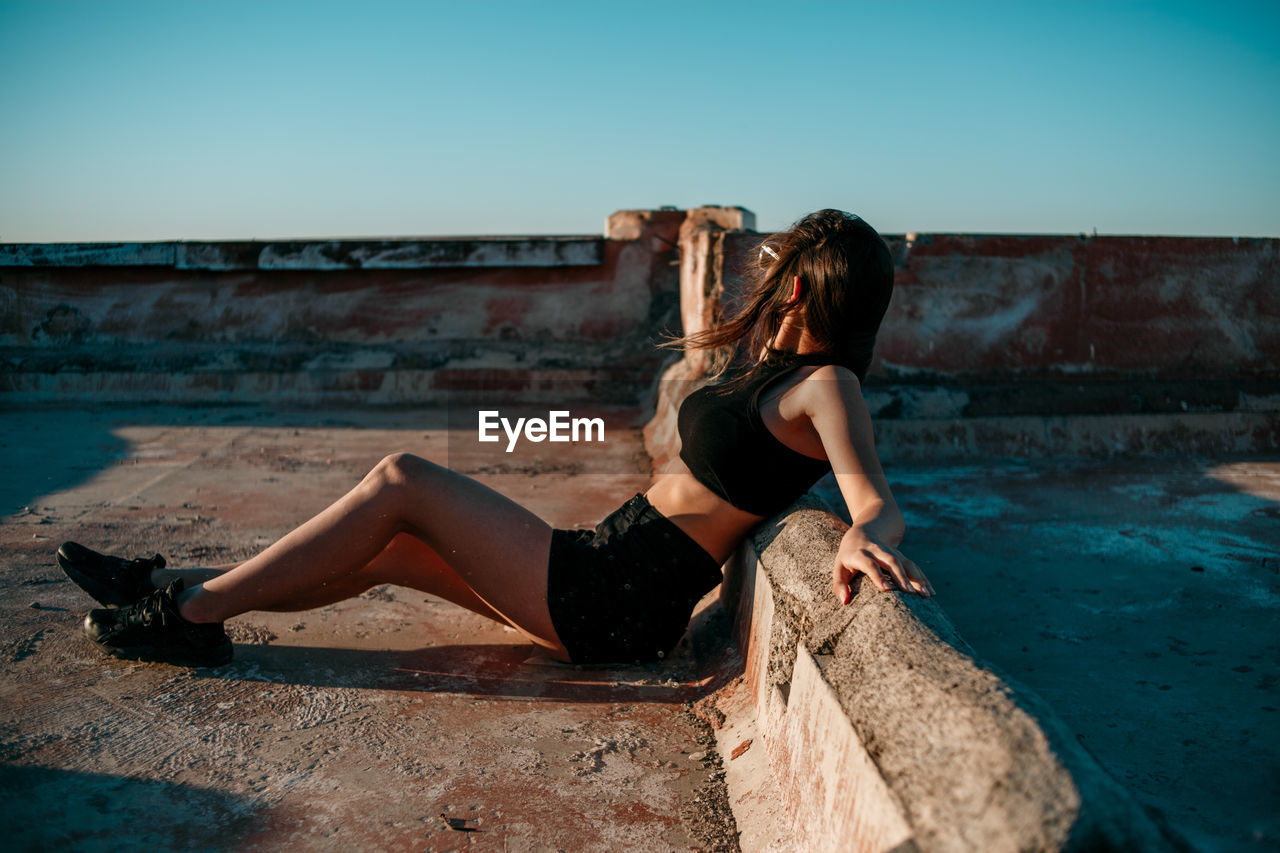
(729, 449)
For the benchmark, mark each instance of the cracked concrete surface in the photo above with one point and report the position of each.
(1137, 597)
(1141, 599)
(389, 721)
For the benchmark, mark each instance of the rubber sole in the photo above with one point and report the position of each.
(220, 656)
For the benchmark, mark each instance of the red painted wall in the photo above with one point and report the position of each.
(998, 306)
(134, 324)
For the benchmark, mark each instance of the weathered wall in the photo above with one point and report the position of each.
(983, 310)
(1151, 306)
(981, 327)
(381, 322)
(1039, 345)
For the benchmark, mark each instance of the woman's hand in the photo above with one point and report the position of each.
(860, 552)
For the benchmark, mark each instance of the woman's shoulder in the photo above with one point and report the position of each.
(828, 372)
(817, 369)
(783, 373)
(825, 386)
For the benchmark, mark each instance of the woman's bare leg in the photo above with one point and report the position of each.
(407, 561)
(160, 578)
(492, 545)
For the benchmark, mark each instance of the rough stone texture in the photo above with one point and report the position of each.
(976, 764)
(632, 224)
(982, 327)
(330, 322)
(350, 727)
(1139, 597)
(829, 793)
(723, 217)
(968, 307)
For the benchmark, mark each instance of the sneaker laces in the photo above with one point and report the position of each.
(160, 606)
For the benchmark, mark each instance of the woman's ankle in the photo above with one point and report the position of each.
(192, 605)
(161, 578)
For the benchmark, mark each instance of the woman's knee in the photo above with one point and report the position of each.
(403, 469)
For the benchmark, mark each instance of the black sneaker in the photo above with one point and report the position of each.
(113, 581)
(153, 629)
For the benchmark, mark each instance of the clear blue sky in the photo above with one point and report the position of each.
(180, 119)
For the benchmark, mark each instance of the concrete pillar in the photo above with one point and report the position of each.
(701, 243)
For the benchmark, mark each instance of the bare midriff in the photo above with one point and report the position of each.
(711, 521)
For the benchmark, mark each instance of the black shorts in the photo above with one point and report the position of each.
(624, 592)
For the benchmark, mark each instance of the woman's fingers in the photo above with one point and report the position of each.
(842, 578)
(905, 573)
(872, 571)
(877, 562)
(918, 578)
(893, 563)
(840, 586)
(910, 580)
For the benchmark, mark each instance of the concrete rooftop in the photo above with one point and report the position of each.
(1138, 597)
(1141, 599)
(353, 727)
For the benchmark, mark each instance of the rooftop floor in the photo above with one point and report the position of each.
(356, 726)
(1139, 597)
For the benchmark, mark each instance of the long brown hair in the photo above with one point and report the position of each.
(846, 275)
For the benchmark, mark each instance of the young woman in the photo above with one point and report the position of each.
(778, 419)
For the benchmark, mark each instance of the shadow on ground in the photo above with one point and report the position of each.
(48, 808)
(48, 449)
(703, 662)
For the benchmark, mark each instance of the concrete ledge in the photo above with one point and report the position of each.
(442, 252)
(884, 732)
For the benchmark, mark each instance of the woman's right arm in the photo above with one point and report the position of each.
(834, 404)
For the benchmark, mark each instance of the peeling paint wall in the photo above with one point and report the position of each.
(980, 326)
(1044, 345)
(355, 321)
(1000, 306)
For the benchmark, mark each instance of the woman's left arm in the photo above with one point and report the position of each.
(832, 399)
